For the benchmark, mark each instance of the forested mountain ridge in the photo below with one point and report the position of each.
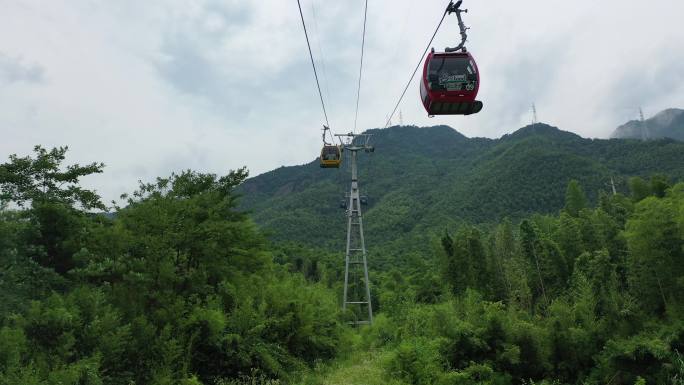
(666, 124)
(429, 178)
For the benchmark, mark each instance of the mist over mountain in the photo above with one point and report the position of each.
(422, 180)
(666, 124)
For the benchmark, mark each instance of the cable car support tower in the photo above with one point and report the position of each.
(356, 283)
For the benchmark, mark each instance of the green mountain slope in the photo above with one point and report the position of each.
(421, 180)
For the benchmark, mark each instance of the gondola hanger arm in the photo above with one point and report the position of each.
(325, 129)
(456, 8)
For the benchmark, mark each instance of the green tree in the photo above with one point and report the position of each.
(591, 240)
(57, 201)
(467, 263)
(575, 200)
(520, 296)
(457, 271)
(568, 236)
(529, 249)
(194, 274)
(505, 240)
(185, 237)
(639, 188)
(659, 185)
(548, 265)
(602, 276)
(480, 262)
(655, 253)
(43, 179)
(503, 253)
(618, 206)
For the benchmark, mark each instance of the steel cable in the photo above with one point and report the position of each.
(416, 69)
(363, 43)
(313, 64)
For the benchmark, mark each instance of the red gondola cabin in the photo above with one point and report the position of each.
(450, 84)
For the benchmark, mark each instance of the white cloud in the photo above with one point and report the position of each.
(155, 86)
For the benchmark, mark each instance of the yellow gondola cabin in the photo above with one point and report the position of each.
(331, 156)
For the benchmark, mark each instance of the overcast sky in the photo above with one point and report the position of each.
(155, 86)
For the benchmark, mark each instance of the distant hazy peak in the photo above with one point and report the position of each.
(668, 116)
(668, 123)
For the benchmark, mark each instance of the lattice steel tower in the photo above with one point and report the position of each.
(644, 128)
(356, 283)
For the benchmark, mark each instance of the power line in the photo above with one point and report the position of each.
(417, 66)
(325, 113)
(326, 82)
(363, 43)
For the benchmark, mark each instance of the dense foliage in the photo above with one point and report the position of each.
(588, 296)
(178, 288)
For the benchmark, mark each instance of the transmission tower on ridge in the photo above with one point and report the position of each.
(534, 114)
(356, 283)
(644, 128)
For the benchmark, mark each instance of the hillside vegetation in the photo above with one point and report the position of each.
(180, 287)
(422, 180)
(589, 295)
